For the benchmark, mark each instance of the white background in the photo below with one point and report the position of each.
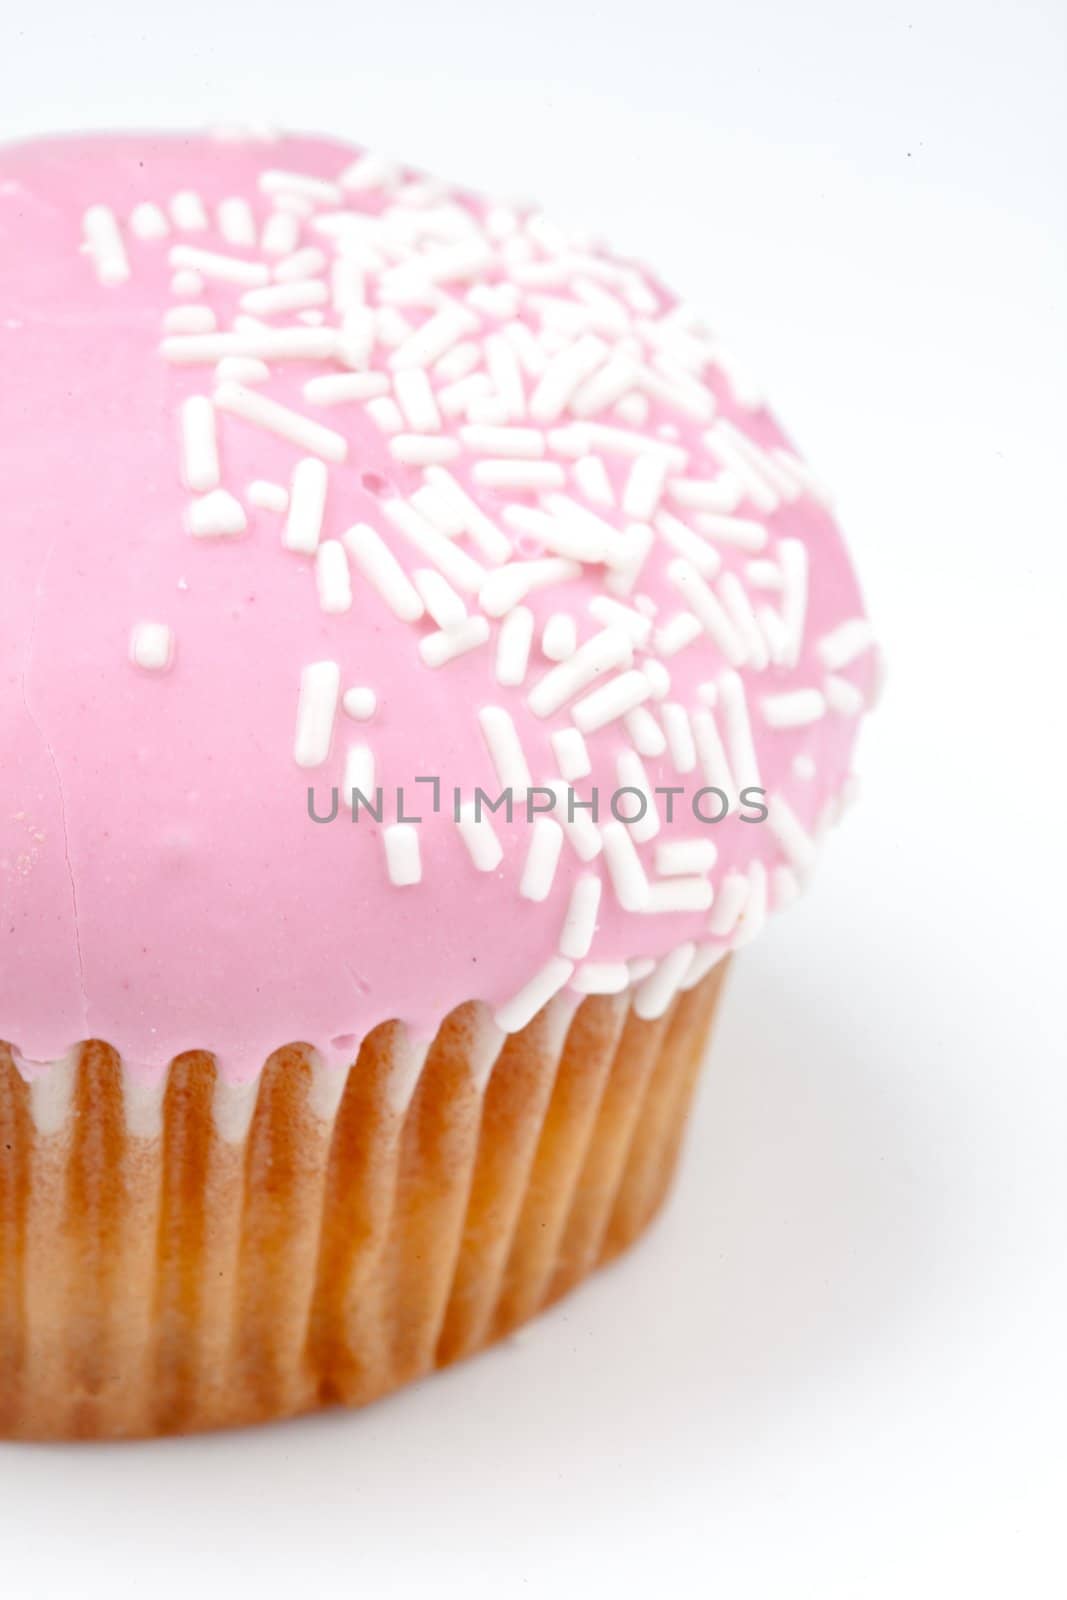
(836, 1367)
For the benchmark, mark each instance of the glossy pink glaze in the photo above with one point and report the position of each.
(161, 885)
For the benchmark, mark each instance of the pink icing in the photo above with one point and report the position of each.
(161, 885)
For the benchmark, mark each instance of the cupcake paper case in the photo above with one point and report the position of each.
(423, 662)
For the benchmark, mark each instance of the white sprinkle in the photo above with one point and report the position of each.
(633, 409)
(754, 914)
(785, 887)
(346, 284)
(370, 171)
(763, 574)
(617, 441)
(572, 756)
(603, 653)
(804, 767)
(386, 414)
(307, 504)
(773, 630)
(629, 558)
(458, 363)
(739, 531)
(679, 736)
(477, 834)
(524, 1006)
(334, 388)
(739, 742)
(277, 298)
(104, 243)
(152, 646)
(684, 857)
(707, 956)
(459, 568)
(402, 858)
(318, 189)
(612, 613)
(278, 419)
(281, 233)
(646, 735)
(513, 646)
(659, 678)
(578, 824)
(189, 319)
(729, 904)
(705, 494)
(791, 834)
(510, 584)
(422, 450)
(680, 631)
(267, 496)
(513, 443)
(187, 211)
(679, 895)
(320, 685)
(498, 473)
(301, 264)
(563, 375)
(675, 388)
(842, 696)
(381, 568)
(440, 599)
(200, 451)
(358, 777)
(532, 357)
(711, 753)
(438, 334)
(579, 925)
(707, 609)
(793, 557)
(186, 284)
(148, 222)
(559, 637)
(644, 487)
(415, 397)
(788, 483)
(739, 610)
(358, 336)
(688, 545)
(360, 703)
(740, 466)
(216, 515)
(613, 382)
(470, 518)
(624, 866)
(591, 476)
(631, 773)
(601, 977)
(655, 994)
(236, 223)
(227, 269)
(332, 577)
(794, 709)
(845, 643)
(505, 750)
(542, 858)
(611, 701)
(266, 344)
(436, 649)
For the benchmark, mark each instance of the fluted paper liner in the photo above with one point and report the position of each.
(193, 1254)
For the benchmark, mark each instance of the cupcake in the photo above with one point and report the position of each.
(425, 661)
